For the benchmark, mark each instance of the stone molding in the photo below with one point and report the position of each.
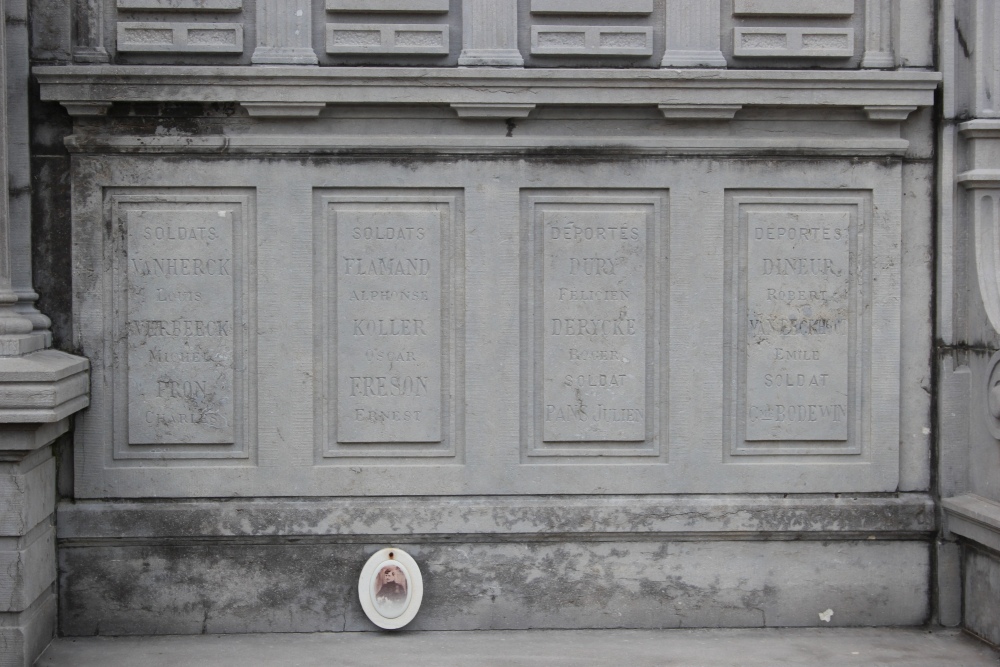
(451, 145)
(42, 388)
(397, 85)
(974, 518)
(524, 518)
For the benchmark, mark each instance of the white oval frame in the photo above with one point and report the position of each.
(415, 590)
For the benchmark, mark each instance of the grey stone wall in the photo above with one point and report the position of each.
(683, 464)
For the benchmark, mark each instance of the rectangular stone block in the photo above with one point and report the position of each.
(181, 294)
(558, 40)
(591, 7)
(808, 8)
(29, 567)
(149, 37)
(591, 324)
(27, 497)
(982, 593)
(793, 42)
(387, 352)
(185, 323)
(799, 297)
(594, 324)
(25, 635)
(389, 316)
(182, 5)
(401, 38)
(401, 6)
(798, 307)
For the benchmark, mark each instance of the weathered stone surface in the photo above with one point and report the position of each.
(25, 635)
(556, 459)
(274, 587)
(982, 590)
(181, 325)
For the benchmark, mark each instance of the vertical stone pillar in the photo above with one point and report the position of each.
(694, 34)
(88, 45)
(284, 33)
(40, 388)
(19, 165)
(878, 35)
(489, 34)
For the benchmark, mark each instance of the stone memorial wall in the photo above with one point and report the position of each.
(610, 314)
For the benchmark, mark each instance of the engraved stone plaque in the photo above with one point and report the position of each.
(180, 326)
(389, 339)
(798, 291)
(594, 324)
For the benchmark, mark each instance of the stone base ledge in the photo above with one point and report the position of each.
(903, 516)
(228, 586)
(43, 387)
(974, 518)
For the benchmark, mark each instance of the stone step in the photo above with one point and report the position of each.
(789, 647)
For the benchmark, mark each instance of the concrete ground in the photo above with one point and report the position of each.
(837, 647)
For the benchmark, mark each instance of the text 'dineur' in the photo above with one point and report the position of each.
(798, 305)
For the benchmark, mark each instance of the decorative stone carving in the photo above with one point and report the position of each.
(156, 37)
(400, 38)
(793, 42)
(591, 40)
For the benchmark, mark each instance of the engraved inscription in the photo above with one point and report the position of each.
(180, 326)
(389, 341)
(594, 325)
(798, 318)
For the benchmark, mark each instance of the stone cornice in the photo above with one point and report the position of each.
(90, 85)
(528, 517)
(975, 518)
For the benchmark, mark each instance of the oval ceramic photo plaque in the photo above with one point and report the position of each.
(391, 588)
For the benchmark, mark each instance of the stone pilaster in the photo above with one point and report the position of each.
(489, 36)
(41, 388)
(284, 33)
(694, 34)
(88, 45)
(878, 35)
(18, 167)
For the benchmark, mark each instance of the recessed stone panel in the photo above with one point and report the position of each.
(182, 327)
(153, 37)
(593, 340)
(389, 338)
(388, 360)
(180, 272)
(798, 289)
(793, 42)
(594, 324)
